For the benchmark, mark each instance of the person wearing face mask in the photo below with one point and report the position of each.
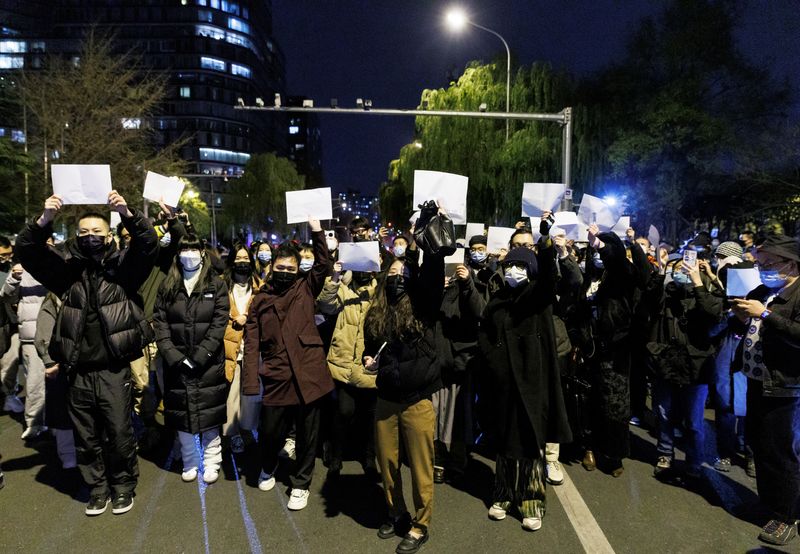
(400, 347)
(769, 319)
(284, 353)
(9, 338)
(681, 360)
(306, 259)
(98, 333)
(355, 388)
(242, 281)
(399, 246)
(190, 319)
(263, 258)
(518, 341)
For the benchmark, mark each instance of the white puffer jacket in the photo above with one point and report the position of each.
(29, 294)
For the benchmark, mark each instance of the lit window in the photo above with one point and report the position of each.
(225, 156)
(230, 7)
(202, 3)
(241, 70)
(238, 25)
(212, 63)
(205, 15)
(131, 123)
(300, 146)
(214, 4)
(17, 135)
(13, 47)
(12, 62)
(294, 129)
(186, 92)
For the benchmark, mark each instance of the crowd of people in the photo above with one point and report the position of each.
(549, 342)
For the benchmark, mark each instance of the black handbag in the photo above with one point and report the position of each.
(434, 232)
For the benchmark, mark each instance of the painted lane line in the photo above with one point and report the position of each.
(152, 503)
(249, 524)
(592, 538)
(290, 517)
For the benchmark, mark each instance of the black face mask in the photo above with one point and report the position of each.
(92, 246)
(395, 288)
(5, 267)
(241, 272)
(282, 280)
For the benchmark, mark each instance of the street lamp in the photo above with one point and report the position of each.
(457, 20)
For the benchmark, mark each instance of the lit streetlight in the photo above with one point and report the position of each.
(457, 20)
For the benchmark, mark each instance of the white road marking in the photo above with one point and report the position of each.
(592, 538)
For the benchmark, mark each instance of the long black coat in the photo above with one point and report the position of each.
(193, 327)
(517, 339)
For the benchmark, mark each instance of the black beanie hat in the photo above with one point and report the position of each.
(477, 239)
(781, 245)
(525, 256)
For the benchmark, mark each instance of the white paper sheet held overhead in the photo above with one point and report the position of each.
(498, 238)
(535, 226)
(114, 219)
(474, 229)
(448, 189)
(414, 217)
(654, 236)
(742, 281)
(160, 188)
(622, 226)
(81, 184)
(311, 203)
(456, 257)
(541, 197)
(360, 256)
(595, 210)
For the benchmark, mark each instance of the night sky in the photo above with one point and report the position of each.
(390, 50)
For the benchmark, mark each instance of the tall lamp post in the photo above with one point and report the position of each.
(457, 19)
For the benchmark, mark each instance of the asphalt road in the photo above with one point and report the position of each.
(41, 510)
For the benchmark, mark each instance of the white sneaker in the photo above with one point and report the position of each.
(288, 450)
(496, 512)
(555, 473)
(532, 523)
(298, 500)
(32, 432)
(189, 475)
(210, 475)
(266, 482)
(13, 404)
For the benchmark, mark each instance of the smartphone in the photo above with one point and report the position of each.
(690, 258)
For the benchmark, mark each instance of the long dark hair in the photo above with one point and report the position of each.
(173, 284)
(386, 322)
(231, 260)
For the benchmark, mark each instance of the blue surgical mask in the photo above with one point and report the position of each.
(264, 256)
(305, 265)
(771, 278)
(399, 251)
(477, 257)
(681, 279)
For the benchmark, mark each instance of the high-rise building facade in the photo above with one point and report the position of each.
(214, 52)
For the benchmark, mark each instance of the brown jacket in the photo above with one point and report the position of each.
(281, 342)
(234, 332)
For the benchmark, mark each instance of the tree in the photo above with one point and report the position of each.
(76, 109)
(257, 201)
(197, 210)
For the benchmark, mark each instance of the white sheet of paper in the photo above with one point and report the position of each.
(311, 203)
(498, 238)
(414, 217)
(541, 197)
(81, 184)
(621, 228)
(360, 256)
(114, 219)
(456, 257)
(742, 281)
(474, 229)
(654, 236)
(160, 188)
(565, 219)
(595, 210)
(448, 189)
(535, 224)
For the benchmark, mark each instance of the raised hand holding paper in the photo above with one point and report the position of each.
(541, 197)
(360, 256)
(498, 238)
(595, 210)
(449, 191)
(81, 184)
(311, 203)
(160, 188)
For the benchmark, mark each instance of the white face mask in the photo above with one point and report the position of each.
(265, 256)
(399, 251)
(191, 260)
(306, 265)
(333, 244)
(165, 240)
(515, 276)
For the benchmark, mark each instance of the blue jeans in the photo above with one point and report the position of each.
(676, 404)
(727, 390)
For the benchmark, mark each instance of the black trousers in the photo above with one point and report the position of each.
(773, 431)
(275, 422)
(350, 401)
(611, 401)
(100, 404)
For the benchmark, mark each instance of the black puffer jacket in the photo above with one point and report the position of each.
(193, 327)
(103, 292)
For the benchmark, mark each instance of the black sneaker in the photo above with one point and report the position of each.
(411, 544)
(97, 505)
(778, 532)
(438, 475)
(123, 502)
(395, 527)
